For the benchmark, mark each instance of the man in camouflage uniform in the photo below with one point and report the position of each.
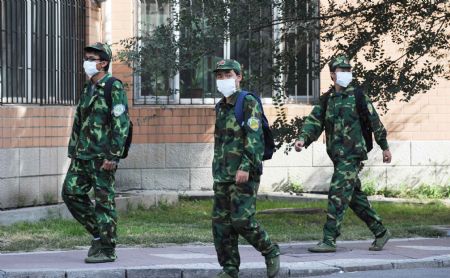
(236, 170)
(95, 147)
(347, 149)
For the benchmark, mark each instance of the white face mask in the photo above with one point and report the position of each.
(343, 78)
(226, 86)
(90, 68)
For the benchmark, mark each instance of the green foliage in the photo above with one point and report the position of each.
(369, 187)
(419, 30)
(153, 55)
(297, 187)
(290, 187)
(49, 198)
(423, 191)
(284, 131)
(432, 191)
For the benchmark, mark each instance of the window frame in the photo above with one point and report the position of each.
(312, 94)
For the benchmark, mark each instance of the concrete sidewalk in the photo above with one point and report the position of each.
(184, 261)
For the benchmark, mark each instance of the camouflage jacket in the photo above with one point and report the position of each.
(235, 147)
(99, 132)
(342, 127)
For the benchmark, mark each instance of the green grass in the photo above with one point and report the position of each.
(423, 191)
(189, 222)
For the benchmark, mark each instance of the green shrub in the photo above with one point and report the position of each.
(297, 187)
(369, 187)
(423, 191)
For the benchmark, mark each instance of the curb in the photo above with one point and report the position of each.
(251, 270)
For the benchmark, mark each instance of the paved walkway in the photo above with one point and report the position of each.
(185, 261)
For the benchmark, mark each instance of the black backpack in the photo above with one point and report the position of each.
(363, 112)
(108, 98)
(269, 144)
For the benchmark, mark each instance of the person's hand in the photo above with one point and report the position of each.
(387, 156)
(298, 145)
(241, 177)
(109, 165)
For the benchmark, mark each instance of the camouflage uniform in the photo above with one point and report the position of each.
(98, 134)
(347, 149)
(234, 208)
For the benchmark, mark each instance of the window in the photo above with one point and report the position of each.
(253, 49)
(41, 51)
(302, 69)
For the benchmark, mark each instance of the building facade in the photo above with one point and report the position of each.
(41, 76)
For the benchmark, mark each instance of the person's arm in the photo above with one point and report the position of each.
(75, 133)
(377, 127)
(313, 126)
(254, 139)
(378, 130)
(119, 122)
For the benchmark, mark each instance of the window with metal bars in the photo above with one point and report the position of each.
(41, 44)
(253, 49)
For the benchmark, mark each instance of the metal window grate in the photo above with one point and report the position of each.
(41, 44)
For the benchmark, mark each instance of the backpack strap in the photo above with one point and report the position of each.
(239, 108)
(363, 114)
(323, 101)
(361, 106)
(108, 89)
(217, 106)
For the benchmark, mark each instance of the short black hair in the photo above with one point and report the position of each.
(103, 56)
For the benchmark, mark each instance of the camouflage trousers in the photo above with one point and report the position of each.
(345, 191)
(233, 215)
(100, 219)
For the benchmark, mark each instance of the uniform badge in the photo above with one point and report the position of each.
(253, 123)
(118, 110)
(370, 108)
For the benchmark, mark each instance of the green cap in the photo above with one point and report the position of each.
(228, 64)
(103, 47)
(339, 61)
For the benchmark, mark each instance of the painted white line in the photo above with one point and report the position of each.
(426, 248)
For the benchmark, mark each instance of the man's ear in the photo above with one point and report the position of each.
(104, 64)
(333, 76)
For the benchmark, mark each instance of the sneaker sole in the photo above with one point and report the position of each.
(376, 249)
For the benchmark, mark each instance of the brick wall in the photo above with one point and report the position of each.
(28, 126)
(425, 117)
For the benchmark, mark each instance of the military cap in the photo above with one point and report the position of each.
(103, 47)
(228, 64)
(339, 61)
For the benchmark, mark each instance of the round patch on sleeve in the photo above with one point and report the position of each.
(118, 110)
(253, 123)
(370, 108)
